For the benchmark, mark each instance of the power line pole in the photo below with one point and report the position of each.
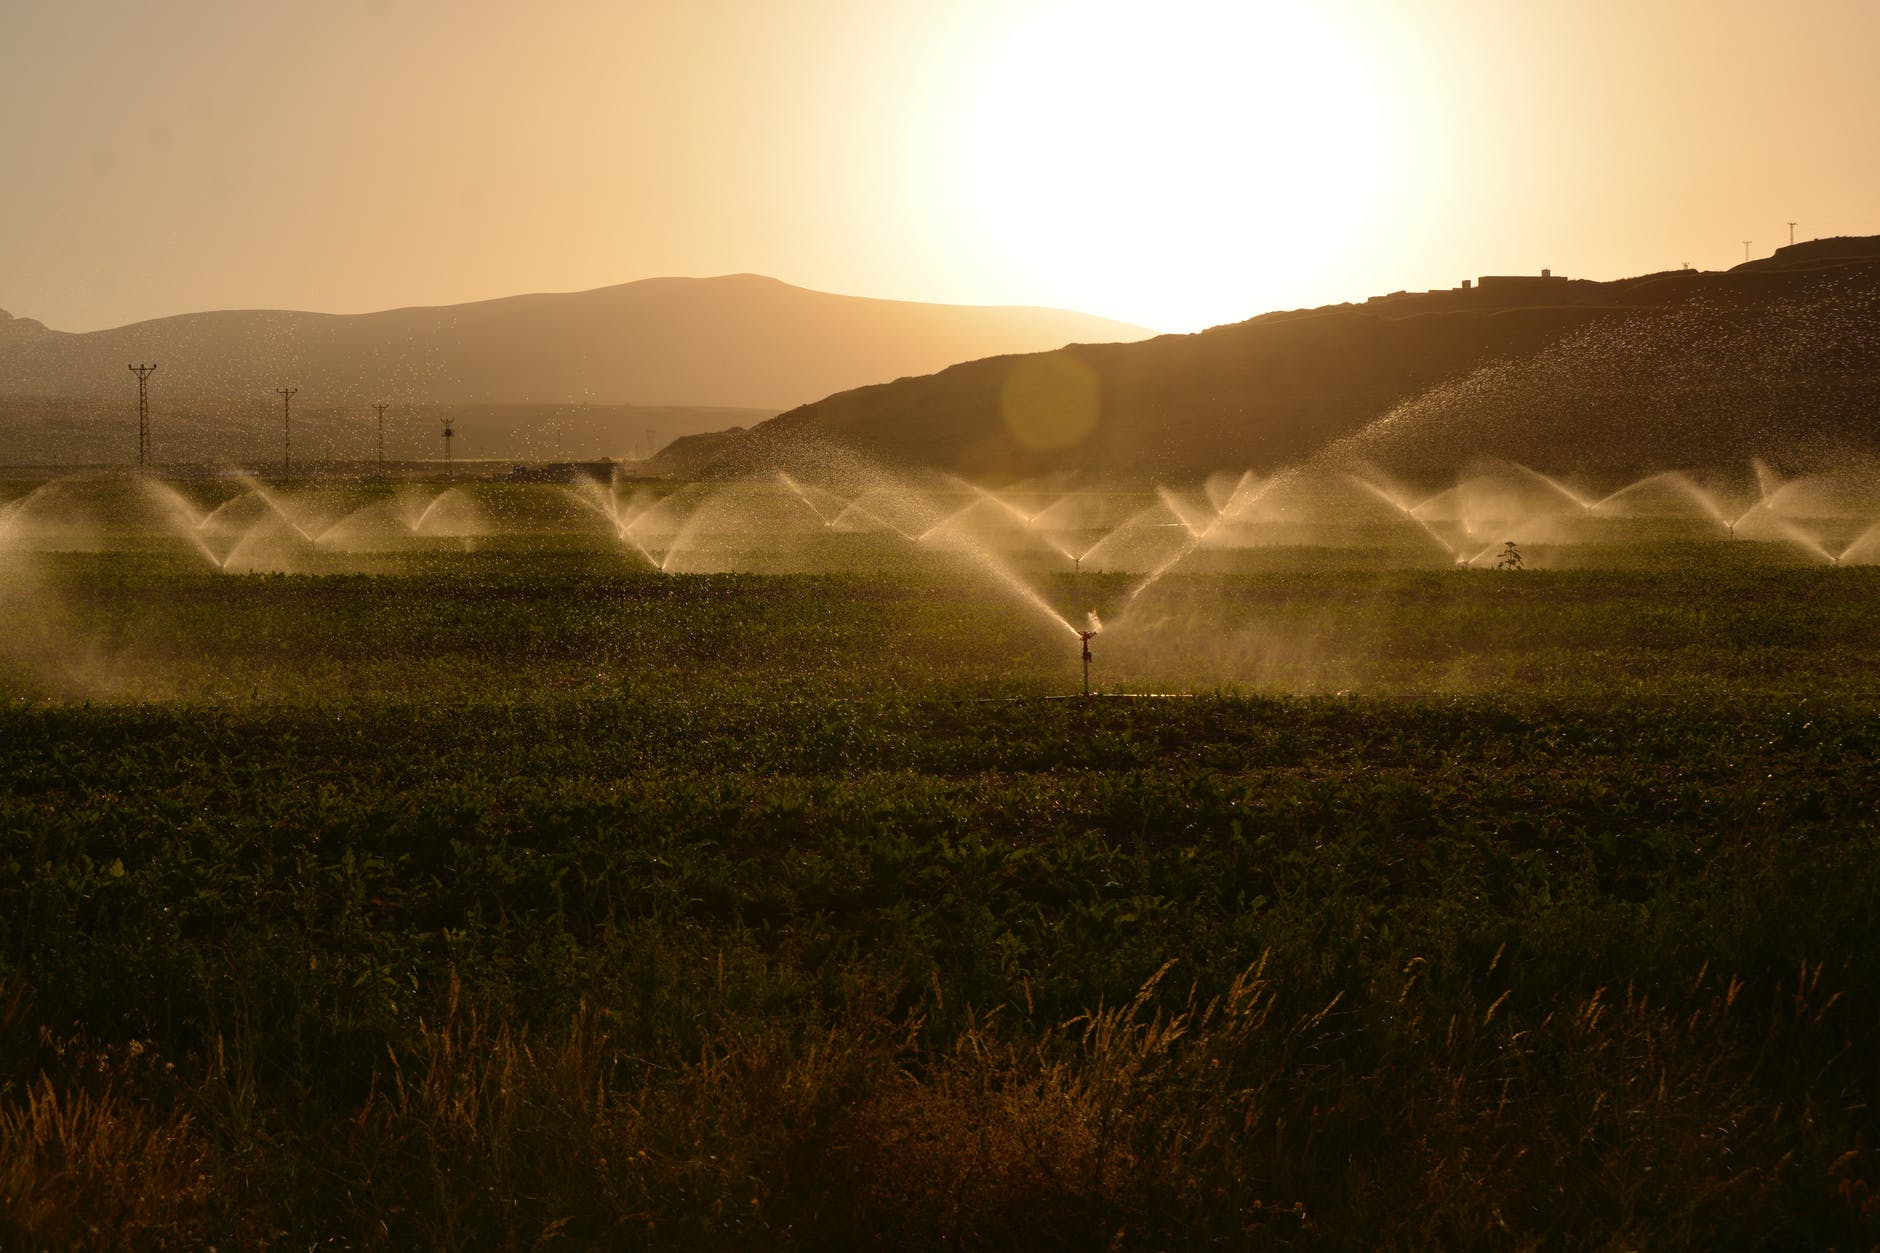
(1746, 250)
(380, 406)
(1791, 234)
(143, 373)
(287, 428)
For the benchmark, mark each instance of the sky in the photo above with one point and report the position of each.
(1171, 163)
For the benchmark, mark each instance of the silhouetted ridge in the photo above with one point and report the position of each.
(739, 341)
(1817, 252)
(1654, 371)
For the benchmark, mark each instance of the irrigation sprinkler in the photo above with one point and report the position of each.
(1085, 637)
(448, 432)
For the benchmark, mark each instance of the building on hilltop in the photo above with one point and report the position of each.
(1547, 283)
(1492, 289)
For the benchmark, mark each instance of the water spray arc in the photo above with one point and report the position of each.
(143, 373)
(1357, 519)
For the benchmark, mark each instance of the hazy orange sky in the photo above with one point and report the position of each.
(1175, 164)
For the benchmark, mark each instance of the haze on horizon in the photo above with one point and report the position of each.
(1175, 166)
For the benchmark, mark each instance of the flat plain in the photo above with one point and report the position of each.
(515, 892)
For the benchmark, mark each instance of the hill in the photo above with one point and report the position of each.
(1781, 361)
(1814, 252)
(739, 341)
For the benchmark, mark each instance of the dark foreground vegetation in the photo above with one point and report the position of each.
(518, 905)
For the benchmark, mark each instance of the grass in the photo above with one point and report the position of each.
(529, 900)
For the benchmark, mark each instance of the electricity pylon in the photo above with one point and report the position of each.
(287, 428)
(143, 373)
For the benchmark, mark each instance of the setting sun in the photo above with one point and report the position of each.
(1173, 168)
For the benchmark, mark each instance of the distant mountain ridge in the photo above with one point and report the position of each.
(738, 341)
(1779, 358)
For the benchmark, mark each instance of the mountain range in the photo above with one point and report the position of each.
(1778, 358)
(668, 354)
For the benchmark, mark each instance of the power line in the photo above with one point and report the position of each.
(287, 428)
(143, 373)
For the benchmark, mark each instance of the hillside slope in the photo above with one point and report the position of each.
(1781, 361)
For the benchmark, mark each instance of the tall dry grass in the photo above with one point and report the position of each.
(1688, 1117)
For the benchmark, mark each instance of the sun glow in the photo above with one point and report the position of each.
(1184, 163)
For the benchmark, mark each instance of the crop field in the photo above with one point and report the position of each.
(518, 869)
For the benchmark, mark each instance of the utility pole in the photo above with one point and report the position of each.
(1746, 250)
(143, 373)
(380, 406)
(287, 428)
(448, 432)
(1791, 234)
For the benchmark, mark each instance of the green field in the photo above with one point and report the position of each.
(499, 890)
